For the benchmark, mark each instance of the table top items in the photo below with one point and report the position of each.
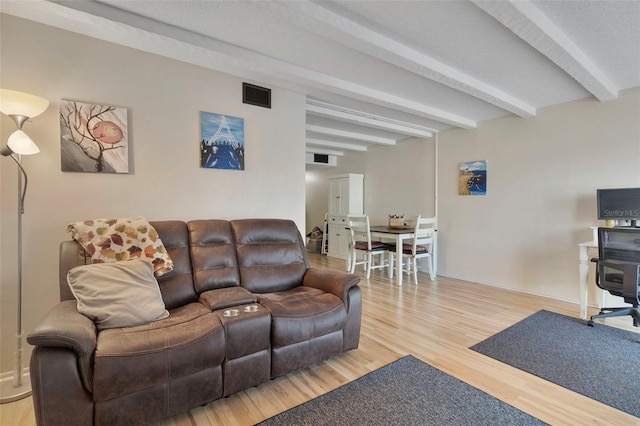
(396, 221)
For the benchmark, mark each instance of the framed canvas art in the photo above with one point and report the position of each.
(472, 179)
(93, 138)
(221, 141)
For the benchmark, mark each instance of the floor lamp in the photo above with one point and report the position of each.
(20, 107)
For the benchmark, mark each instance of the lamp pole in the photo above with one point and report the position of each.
(20, 390)
(20, 107)
(18, 378)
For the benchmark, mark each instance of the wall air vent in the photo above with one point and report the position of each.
(321, 159)
(256, 95)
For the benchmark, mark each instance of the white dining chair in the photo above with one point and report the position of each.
(362, 249)
(420, 247)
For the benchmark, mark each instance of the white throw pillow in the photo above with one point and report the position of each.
(119, 294)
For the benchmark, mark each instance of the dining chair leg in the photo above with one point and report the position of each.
(369, 260)
(431, 274)
(352, 266)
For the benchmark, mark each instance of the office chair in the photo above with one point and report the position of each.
(618, 270)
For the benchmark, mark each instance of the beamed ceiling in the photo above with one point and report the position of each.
(378, 72)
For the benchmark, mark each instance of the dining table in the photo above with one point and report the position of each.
(400, 235)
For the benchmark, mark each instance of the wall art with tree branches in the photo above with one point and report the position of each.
(93, 138)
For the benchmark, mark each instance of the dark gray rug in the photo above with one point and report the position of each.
(600, 362)
(405, 392)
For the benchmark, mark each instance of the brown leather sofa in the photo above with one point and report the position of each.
(140, 374)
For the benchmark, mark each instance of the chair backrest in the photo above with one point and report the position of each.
(424, 231)
(618, 268)
(359, 230)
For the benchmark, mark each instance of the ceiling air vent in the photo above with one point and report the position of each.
(256, 95)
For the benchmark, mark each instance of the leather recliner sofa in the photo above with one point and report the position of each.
(288, 316)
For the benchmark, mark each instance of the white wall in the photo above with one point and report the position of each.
(542, 177)
(543, 173)
(163, 98)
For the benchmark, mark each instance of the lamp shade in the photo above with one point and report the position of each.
(13, 102)
(22, 144)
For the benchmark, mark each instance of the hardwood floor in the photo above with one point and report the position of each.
(435, 321)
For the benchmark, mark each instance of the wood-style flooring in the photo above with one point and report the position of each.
(435, 321)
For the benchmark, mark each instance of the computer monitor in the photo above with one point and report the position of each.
(621, 204)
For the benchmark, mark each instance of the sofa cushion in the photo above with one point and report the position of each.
(117, 239)
(132, 359)
(121, 294)
(271, 254)
(302, 314)
(213, 255)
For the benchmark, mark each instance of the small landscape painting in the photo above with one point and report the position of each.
(221, 141)
(472, 179)
(93, 138)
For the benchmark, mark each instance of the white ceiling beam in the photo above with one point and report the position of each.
(528, 22)
(323, 109)
(350, 135)
(106, 23)
(335, 144)
(315, 17)
(316, 150)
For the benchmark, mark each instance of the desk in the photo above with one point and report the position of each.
(400, 235)
(588, 251)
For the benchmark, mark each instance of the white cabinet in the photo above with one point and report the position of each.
(338, 241)
(346, 197)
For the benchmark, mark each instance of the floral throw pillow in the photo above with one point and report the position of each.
(114, 240)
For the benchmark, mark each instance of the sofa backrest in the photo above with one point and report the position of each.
(213, 255)
(176, 286)
(271, 254)
(261, 255)
(71, 255)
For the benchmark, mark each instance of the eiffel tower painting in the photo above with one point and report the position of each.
(221, 141)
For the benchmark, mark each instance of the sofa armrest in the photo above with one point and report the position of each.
(335, 282)
(64, 327)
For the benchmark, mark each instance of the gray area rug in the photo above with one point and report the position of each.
(405, 392)
(600, 362)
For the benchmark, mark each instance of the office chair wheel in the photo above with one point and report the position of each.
(590, 323)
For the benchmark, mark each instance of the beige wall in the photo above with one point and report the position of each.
(163, 98)
(543, 173)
